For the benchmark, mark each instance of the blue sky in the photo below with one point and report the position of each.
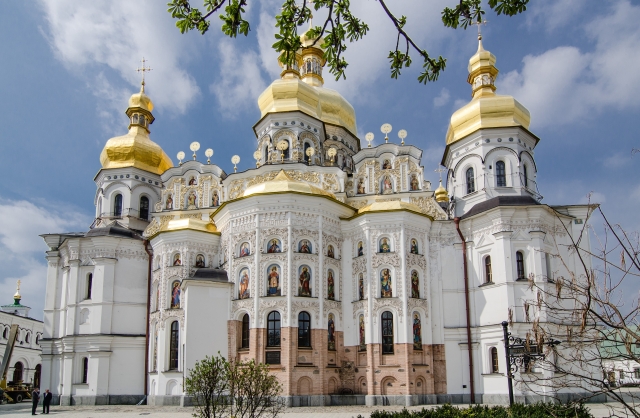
(68, 68)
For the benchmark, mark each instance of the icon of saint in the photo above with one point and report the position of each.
(330, 286)
(200, 261)
(384, 246)
(176, 260)
(330, 252)
(360, 249)
(415, 284)
(305, 282)
(175, 295)
(244, 284)
(385, 284)
(169, 203)
(244, 249)
(274, 246)
(414, 246)
(417, 332)
(274, 282)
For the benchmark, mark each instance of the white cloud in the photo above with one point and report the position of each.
(88, 37)
(240, 82)
(617, 160)
(564, 85)
(442, 99)
(553, 14)
(22, 250)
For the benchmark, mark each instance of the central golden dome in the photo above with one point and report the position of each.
(486, 109)
(282, 183)
(136, 149)
(308, 95)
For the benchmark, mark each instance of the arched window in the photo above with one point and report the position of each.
(520, 265)
(27, 338)
(245, 331)
(488, 277)
(306, 147)
(85, 369)
(287, 151)
(525, 179)
(471, 181)
(5, 333)
(89, 285)
(37, 340)
(36, 375)
(494, 360)
(174, 344)
(387, 332)
(117, 205)
(273, 329)
(501, 176)
(304, 329)
(17, 372)
(144, 207)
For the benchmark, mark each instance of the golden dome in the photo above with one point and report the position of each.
(486, 109)
(441, 194)
(282, 183)
(308, 95)
(136, 149)
(391, 206)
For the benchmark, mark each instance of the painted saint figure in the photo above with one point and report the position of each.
(305, 282)
(274, 246)
(243, 292)
(384, 245)
(244, 249)
(175, 295)
(215, 200)
(360, 249)
(273, 281)
(362, 346)
(330, 251)
(192, 181)
(414, 183)
(415, 284)
(305, 247)
(387, 186)
(386, 165)
(360, 287)
(385, 284)
(414, 246)
(332, 333)
(200, 261)
(176, 260)
(191, 199)
(330, 286)
(361, 186)
(169, 204)
(417, 332)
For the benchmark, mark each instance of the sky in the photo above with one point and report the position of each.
(68, 69)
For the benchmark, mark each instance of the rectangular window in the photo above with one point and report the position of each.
(272, 357)
(636, 373)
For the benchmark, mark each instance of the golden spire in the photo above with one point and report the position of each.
(17, 295)
(143, 70)
(482, 71)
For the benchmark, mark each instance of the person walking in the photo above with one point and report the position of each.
(35, 398)
(46, 401)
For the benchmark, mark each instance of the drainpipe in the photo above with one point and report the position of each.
(149, 250)
(466, 301)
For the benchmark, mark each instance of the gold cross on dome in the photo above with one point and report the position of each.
(18, 285)
(440, 170)
(143, 69)
(478, 24)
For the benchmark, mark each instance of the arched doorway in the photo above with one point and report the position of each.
(36, 377)
(17, 372)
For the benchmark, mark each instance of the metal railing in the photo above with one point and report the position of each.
(124, 213)
(488, 183)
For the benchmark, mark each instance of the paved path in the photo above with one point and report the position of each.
(120, 411)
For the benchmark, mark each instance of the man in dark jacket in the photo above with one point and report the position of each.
(46, 401)
(35, 398)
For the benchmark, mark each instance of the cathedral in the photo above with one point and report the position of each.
(332, 261)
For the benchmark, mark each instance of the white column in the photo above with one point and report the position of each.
(320, 290)
(290, 291)
(257, 274)
(405, 285)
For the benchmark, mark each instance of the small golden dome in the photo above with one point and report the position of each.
(486, 109)
(136, 149)
(282, 183)
(441, 194)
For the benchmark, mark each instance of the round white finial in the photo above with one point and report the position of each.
(195, 146)
(256, 156)
(310, 151)
(282, 146)
(369, 138)
(180, 157)
(402, 134)
(331, 152)
(208, 153)
(386, 128)
(235, 160)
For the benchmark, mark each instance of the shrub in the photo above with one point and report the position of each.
(538, 410)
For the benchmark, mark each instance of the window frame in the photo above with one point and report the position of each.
(245, 332)
(84, 379)
(524, 173)
(174, 346)
(148, 208)
(488, 272)
(494, 360)
(273, 329)
(471, 182)
(387, 334)
(87, 295)
(520, 268)
(304, 330)
(118, 204)
(501, 174)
